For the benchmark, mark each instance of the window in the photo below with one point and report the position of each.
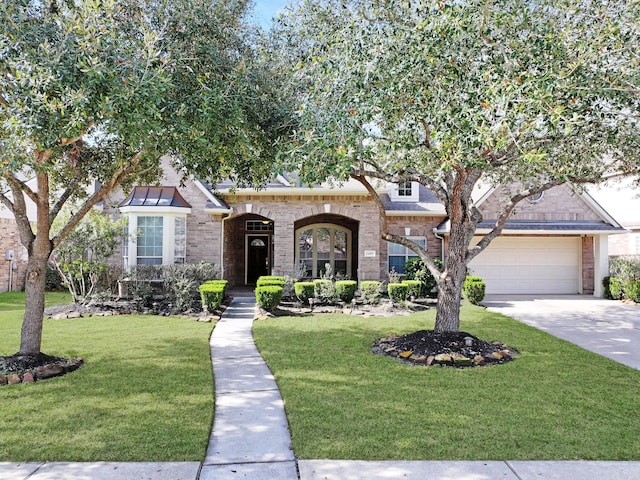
(259, 226)
(180, 240)
(404, 189)
(150, 236)
(322, 245)
(399, 254)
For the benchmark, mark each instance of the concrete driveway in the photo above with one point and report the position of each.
(608, 327)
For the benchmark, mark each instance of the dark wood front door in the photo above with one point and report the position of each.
(258, 257)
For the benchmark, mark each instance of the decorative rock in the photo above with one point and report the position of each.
(406, 354)
(48, 371)
(430, 360)
(478, 359)
(74, 315)
(3, 379)
(28, 378)
(497, 355)
(13, 379)
(419, 358)
(443, 357)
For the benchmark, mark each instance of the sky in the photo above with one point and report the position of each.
(265, 10)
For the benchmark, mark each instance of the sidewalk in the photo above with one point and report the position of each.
(250, 437)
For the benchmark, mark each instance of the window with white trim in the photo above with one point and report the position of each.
(149, 240)
(399, 254)
(405, 192)
(180, 240)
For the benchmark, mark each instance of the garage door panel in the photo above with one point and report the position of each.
(530, 265)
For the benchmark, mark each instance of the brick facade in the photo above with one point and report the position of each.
(10, 240)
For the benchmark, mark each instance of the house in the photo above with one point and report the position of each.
(620, 196)
(555, 243)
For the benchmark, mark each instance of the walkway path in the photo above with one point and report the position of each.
(250, 436)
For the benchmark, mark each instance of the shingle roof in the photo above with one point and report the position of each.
(552, 226)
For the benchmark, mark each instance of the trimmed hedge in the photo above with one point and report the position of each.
(325, 291)
(266, 280)
(370, 291)
(414, 287)
(398, 292)
(473, 289)
(268, 297)
(632, 290)
(346, 289)
(304, 291)
(212, 293)
(615, 288)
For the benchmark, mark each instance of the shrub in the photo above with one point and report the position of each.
(304, 291)
(270, 280)
(212, 294)
(398, 292)
(268, 297)
(473, 289)
(632, 290)
(415, 269)
(346, 289)
(414, 287)
(615, 288)
(370, 291)
(606, 286)
(325, 290)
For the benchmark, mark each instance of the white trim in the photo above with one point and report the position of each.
(151, 211)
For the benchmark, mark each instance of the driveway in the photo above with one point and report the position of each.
(608, 327)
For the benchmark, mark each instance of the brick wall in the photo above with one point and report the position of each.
(10, 240)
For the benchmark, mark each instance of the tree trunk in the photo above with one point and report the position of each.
(31, 335)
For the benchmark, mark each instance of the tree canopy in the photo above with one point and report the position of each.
(96, 91)
(452, 93)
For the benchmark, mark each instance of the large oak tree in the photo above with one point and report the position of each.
(453, 93)
(95, 91)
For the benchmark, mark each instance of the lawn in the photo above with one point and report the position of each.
(145, 392)
(554, 402)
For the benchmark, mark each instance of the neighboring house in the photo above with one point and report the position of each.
(555, 243)
(621, 198)
(13, 256)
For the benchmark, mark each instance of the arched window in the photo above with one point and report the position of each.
(321, 245)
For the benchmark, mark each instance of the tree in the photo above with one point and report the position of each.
(96, 91)
(452, 93)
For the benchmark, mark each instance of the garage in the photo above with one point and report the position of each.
(530, 265)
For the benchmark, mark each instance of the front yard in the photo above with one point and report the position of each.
(145, 392)
(555, 401)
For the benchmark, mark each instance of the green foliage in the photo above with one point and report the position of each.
(212, 294)
(305, 291)
(606, 281)
(616, 289)
(265, 280)
(473, 289)
(415, 269)
(268, 297)
(346, 289)
(81, 259)
(632, 290)
(625, 268)
(414, 287)
(325, 291)
(370, 291)
(398, 292)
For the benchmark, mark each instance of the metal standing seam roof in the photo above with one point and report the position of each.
(155, 197)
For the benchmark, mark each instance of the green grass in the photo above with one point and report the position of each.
(555, 402)
(144, 394)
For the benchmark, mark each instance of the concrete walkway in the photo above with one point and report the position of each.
(250, 437)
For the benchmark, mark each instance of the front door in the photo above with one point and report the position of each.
(258, 257)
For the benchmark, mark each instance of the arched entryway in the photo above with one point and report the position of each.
(248, 248)
(327, 241)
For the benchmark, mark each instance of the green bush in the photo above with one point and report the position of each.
(212, 294)
(398, 292)
(370, 291)
(615, 288)
(325, 291)
(268, 297)
(415, 269)
(473, 289)
(346, 289)
(605, 285)
(414, 287)
(273, 280)
(632, 290)
(304, 291)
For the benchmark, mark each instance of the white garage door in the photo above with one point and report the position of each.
(530, 265)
